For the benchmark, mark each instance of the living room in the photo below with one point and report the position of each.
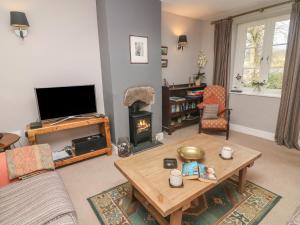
(149, 78)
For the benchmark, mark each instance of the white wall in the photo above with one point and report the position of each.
(182, 64)
(61, 49)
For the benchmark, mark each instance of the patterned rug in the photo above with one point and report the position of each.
(225, 206)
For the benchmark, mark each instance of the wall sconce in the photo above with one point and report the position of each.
(182, 42)
(19, 23)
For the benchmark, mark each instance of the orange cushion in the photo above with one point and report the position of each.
(220, 123)
(212, 99)
(4, 180)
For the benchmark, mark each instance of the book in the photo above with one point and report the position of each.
(177, 99)
(198, 171)
(190, 170)
(60, 155)
(207, 174)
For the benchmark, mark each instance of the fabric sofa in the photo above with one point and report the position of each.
(41, 199)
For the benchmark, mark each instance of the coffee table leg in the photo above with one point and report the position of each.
(176, 218)
(242, 179)
(131, 193)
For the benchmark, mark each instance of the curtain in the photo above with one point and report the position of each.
(288, 123)
(222, 50)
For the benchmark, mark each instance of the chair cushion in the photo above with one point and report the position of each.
(219, 123)
(210, 111)
(212, 99)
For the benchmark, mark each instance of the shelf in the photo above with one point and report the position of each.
(183, 101)
(175, 114)
(179, 90)
(181, 87)
(47, 128)
(78, 158)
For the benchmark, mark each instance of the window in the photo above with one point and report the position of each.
(260, 53)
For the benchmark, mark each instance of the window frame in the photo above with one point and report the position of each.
(240, 47)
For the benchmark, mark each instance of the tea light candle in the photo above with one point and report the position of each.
(175, 178)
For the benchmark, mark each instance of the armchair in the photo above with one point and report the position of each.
(215, 95)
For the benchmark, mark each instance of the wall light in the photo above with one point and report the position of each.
(182, 42)
(19, 23)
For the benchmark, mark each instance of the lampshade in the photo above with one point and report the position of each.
(182, 39)
(18, 19)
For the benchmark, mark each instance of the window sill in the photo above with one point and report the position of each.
(259, 94)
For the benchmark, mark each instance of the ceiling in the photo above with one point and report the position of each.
(212, 9)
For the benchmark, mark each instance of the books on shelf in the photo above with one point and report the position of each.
(177, 99)
(60, 155)
(195, 170)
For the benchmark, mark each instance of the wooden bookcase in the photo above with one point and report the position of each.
(72, 124)
(168, 115)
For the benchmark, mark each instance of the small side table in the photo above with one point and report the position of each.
(8, 140)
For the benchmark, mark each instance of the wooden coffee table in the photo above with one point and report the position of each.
(149, 179)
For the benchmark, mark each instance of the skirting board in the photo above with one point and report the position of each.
(254, 132)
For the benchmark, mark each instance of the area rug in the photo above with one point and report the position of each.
(225, 206)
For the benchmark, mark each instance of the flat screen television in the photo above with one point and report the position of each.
(61, 102)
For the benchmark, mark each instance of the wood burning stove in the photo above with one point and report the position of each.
(140, 123)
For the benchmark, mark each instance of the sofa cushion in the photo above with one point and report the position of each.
(29, 159)
(4, 180)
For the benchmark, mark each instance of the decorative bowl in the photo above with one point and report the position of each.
(189, 153)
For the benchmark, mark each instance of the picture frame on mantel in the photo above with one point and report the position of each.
(138, 49)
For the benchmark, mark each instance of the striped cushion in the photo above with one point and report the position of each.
(210, 111)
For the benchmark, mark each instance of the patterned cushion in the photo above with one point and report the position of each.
(28, 160)
(214, 95)
(210, 111)
(219, 123)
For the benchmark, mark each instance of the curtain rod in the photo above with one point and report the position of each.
(257, 10)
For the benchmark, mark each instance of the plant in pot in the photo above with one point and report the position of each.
(201, 63)
(258, 85)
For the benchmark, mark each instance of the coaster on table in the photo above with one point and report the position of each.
(225, 158)
(171, 186)
(170, 163)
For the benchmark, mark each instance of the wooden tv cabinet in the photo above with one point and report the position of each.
(72, 124)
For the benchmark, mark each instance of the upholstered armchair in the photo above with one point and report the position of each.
(215, 95)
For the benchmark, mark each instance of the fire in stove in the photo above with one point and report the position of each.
(142, 126)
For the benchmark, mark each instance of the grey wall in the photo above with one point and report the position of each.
(62, 49)
(117, 20)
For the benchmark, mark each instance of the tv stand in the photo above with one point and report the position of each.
(72, 123)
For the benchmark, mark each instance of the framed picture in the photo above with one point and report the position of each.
(138, 49)
(164, 50)
(164, 63)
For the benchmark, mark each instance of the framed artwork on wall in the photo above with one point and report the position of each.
(164, 63)
(138, 49)
(164, 50)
